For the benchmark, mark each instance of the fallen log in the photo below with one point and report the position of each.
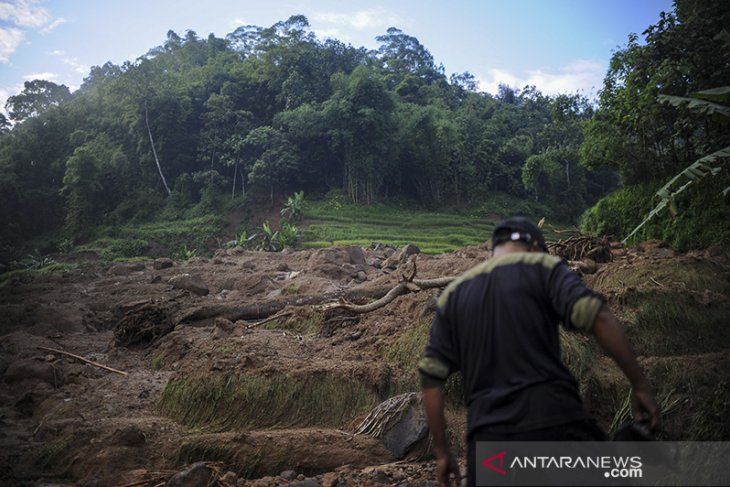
(344, 300)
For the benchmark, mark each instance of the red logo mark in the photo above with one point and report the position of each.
(488, 463)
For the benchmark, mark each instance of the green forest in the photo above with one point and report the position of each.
(198, 126)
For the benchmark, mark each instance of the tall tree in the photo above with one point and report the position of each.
(37, 96)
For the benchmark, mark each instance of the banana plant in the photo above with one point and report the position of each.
(714, 103)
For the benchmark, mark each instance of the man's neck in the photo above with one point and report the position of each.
(509, 248)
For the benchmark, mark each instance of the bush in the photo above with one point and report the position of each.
(699, 220)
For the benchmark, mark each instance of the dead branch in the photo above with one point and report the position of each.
(328, 301)
(408, 283)
(90, 362)
(270, 318)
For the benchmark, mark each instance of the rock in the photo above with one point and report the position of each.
(217, 261)
(162, 263)
(410, 249)
(283, 267)
(361, 276)
(126, 268)
(335, 262)
(330, 479)
(382, 478)
(30, 369)
(400, 423)
(194, 284)
(288, 475)
(197, 475)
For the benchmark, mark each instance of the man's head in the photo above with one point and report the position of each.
(519, 231)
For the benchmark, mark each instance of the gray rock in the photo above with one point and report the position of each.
(162, 263)
(401, 423)
(197, 475)
(194, 284)
(30, 369)
(288, 475)
(410, 249)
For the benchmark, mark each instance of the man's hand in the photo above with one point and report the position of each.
(611, 337)
(645, 408)
(446, 465)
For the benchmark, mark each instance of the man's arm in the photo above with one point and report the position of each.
(433, 403)
(611, 337)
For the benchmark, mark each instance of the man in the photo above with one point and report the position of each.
(498, 325)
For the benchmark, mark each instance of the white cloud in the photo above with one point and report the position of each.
(24, 13)
(332, 34)
(580, 75)
(74, 62)
(10, 39)
(360, 20)
(44, 76)
(53, 25)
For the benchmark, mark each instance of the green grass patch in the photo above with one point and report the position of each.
(170, 238)
(671, 324)
(338, 223)
(309, 325)
(210, 452)
(244, 401)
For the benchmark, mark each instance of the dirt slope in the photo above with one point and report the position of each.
(203, 384)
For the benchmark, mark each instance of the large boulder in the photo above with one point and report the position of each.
(338, 262)
(399, 422)
(197, 475)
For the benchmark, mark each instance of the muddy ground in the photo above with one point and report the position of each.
(206, 378)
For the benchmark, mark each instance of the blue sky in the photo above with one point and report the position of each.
(557, 45)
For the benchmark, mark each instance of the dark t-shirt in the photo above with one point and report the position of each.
(498, 325)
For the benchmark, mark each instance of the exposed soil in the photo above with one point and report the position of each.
(66, 421)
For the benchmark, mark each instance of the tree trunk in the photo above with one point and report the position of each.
(235, 172)
(154, 151)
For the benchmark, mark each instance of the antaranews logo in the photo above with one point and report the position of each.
(610, 466)
(499, 456)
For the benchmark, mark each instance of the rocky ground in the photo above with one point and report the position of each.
(240, 369)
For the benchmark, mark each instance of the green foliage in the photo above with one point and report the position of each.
(265, 111)
(294, 206)
(245, 401)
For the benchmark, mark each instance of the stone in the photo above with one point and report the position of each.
(197, 475)
(405, 423)
(30, 369)
(330, 479)
(288, 475)
(194, 284)
(361, 276)
(162, 263)
(410, 249)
